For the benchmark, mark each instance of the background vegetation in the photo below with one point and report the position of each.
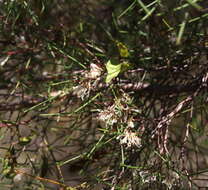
(103, 94)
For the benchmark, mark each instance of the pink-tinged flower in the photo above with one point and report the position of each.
(81, 91)
(130, 139)
(95, 71)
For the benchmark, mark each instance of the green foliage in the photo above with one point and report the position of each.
(24, 140)
(114, 69)
(123, 50)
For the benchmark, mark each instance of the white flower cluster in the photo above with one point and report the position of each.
(83, 90)
(147, 177)
(130, 139)
(119, 113)
(171, 179)
(95, 71)
(108, 116)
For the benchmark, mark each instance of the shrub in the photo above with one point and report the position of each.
(108, 94)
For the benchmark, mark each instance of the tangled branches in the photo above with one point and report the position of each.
(114, 100)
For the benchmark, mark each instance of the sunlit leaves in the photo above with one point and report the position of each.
(123, 50)
(24, 140)
(125, 65)
(114, 69)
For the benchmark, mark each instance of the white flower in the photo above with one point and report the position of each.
(81, 91)
(108, 116)
(170, 180)
(147, 177)
(56, 93)
(95, 71)
(130, 139)
(131, 124)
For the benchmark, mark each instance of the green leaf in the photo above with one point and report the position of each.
(113, 71)
(125, 65)
(194, 4)
(24, 140)
(123, 50)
